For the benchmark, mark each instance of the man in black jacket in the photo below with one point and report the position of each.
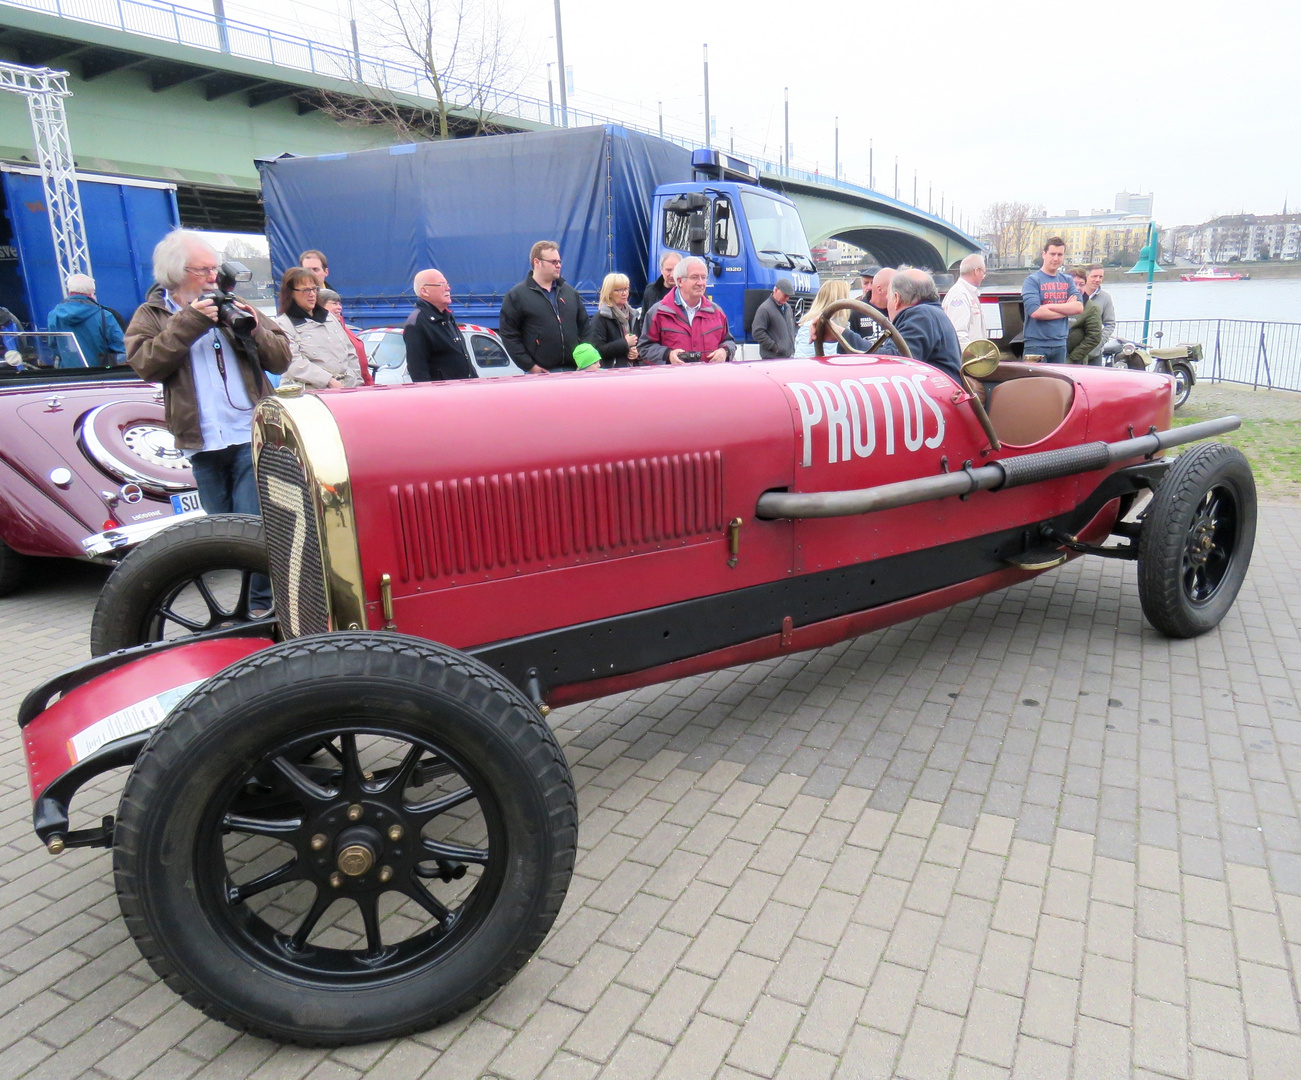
(542, 318)
(658, 289)
(435, 347)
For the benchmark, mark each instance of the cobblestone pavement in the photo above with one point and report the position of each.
(1024, 837)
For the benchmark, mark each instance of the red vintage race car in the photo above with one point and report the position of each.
(356, 823)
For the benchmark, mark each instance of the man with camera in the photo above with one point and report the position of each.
(686, 326)
(209, 350)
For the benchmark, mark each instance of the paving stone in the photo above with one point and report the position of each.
(991, 1029)
(1102, 1050)
(1106, 989)
(700, 1050)
(765, 1035)
(831, 1016)
(1050, 1005)
(931, 1045)
(1215, 1018)
(1160, 1037)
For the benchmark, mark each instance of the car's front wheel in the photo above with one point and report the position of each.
(1196, 540)
(345, 838)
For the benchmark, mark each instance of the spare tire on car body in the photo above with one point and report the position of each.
(138, 603)
(441, 794)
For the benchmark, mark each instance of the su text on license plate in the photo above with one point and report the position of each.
(185, 502)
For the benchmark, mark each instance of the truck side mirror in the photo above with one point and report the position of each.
(697, 235)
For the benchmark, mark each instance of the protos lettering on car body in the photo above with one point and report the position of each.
(855, 417)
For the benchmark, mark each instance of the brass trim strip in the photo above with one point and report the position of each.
(305, 426)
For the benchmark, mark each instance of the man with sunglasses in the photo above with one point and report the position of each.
(211, 378)
(542, 318)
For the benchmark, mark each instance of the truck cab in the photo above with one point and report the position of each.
(751, 237)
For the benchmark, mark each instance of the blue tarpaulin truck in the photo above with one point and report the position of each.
(613, 199)
(124, 218)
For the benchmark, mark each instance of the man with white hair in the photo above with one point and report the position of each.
(211, 376)
(94, 326)
(686, 326)
(913, 305)
(962, 302)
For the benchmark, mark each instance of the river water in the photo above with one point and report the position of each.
(1276, 300)
(1250, 331)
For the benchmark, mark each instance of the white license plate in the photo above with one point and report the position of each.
(185, 502)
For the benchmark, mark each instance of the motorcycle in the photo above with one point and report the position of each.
(1177, 362)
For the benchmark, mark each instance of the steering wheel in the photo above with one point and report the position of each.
(887, 327)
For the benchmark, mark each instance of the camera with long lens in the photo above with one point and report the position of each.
(233, 318)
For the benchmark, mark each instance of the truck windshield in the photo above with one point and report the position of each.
(776, 229)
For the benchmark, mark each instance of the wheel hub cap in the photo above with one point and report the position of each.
(355, 860)
(356, 850)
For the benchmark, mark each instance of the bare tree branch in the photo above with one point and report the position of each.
(1009, 227)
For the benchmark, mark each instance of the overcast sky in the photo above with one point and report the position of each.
(1062, 105)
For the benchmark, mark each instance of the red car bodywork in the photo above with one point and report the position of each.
(590, 533)
(602, 504)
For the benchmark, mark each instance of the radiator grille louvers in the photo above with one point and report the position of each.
(484, 523)
(293, 543)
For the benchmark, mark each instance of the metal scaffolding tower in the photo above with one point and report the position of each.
(45, 90)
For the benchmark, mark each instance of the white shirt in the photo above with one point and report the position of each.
(962, 306)
(225, 413)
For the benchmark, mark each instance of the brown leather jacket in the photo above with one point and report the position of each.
(158, 347)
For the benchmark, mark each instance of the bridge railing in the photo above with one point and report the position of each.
(202, 30)
(1233, 350)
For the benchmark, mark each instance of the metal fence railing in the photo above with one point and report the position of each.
(1233, 350)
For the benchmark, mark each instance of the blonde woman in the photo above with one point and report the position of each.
(611, 332)
(830, 292)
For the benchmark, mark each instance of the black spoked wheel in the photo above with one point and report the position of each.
(345, 838)
(1183, 383)
(1196, 540)
(197, 575)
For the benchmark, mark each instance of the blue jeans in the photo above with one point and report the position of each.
(227, 486)
(1052, 354)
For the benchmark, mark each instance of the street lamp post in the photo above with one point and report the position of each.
(551, 97)
(1147, 264)
(786, 145)
(560, 65)
(706, 96)
(837, 147)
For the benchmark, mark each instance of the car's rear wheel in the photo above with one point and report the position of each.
(345, 838)
(13, 567)
(1196, 540)
(196, 575)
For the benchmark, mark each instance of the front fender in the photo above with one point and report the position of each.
(103, 721)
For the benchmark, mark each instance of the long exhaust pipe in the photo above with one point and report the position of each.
(997, 475)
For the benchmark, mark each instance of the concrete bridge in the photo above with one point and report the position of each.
(170, 93)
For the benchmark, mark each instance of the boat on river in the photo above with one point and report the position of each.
(1209, 272)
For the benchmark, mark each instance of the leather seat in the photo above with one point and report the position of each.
(1023, 411)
